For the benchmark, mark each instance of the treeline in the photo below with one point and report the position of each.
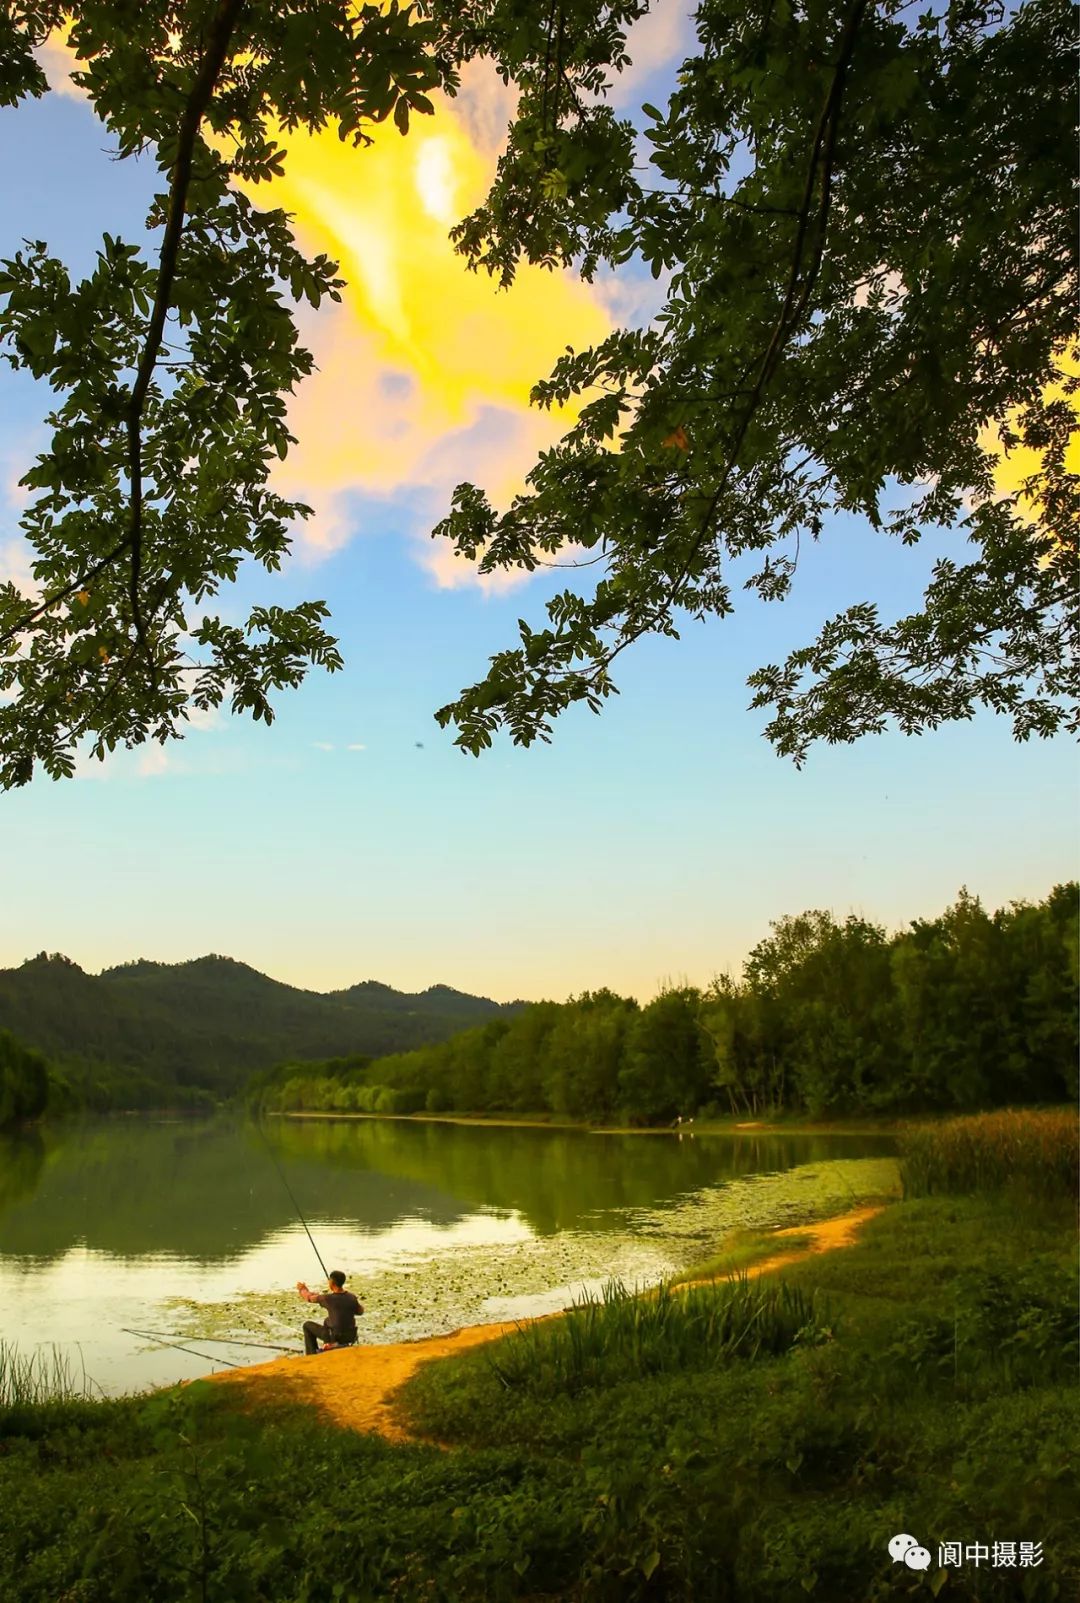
(32, 1086)
(971, 1009)
(24, 1081)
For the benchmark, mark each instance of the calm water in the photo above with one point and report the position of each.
(186, 1225)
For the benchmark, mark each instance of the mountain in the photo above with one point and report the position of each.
(212, 1022)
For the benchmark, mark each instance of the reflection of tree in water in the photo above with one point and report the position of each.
(554, 1178)
(207, 1190)
(22, 1160)
(199, 1189)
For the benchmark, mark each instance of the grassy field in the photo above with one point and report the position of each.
(751, 1443)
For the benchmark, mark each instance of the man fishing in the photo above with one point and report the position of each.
(339, 1327)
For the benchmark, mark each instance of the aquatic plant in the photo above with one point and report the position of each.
(1026, 1150)
(621, 1335)
(44, 1376)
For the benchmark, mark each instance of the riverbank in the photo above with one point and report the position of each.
(749, 1441)
(354, 1387)
(688, 1127)
(928, 1388)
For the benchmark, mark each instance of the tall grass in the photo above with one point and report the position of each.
(621, 1336)
(1024, 1150)
(39, 1378)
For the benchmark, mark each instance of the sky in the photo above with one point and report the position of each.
(351, 840)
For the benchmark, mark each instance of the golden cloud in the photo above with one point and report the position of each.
(425, 369)
(1014, 468)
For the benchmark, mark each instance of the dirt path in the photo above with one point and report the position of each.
(354, 1387)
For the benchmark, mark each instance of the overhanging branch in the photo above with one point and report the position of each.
(219, 36)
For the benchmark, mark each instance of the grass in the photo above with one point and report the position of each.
(740, 1250)
(1024, 1150)
(941, 1399)
(37, 1380)
(619, 1336)
(732, 1444)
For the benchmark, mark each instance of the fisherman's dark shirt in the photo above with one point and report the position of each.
(341, 1311)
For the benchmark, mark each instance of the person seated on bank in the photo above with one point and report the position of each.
(339, 1327)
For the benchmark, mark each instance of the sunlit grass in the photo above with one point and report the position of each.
(1028, 1150)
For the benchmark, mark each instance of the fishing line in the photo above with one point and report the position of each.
(207, 1358)
(228, 1341)
(296, 1205)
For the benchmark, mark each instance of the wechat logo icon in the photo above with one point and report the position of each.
(906, 1550)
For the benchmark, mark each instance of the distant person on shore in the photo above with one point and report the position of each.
(339, 1327)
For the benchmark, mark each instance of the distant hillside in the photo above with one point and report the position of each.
(213, 1022)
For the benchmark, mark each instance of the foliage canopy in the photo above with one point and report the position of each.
(829, 1017)
(863, 216)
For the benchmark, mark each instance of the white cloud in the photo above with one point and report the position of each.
(153, 760)
(322, 745)
(485, 105)
(203, 718)
(15, 559)
(662, 36)
(87, 767)
(356, 746)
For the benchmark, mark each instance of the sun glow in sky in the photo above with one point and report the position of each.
(424, 372)
(351, 841)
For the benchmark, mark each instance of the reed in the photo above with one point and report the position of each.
(36, 1379)
(622, 1336)
(1026, 1150)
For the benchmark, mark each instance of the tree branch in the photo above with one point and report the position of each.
(220, 33)
(821, 156)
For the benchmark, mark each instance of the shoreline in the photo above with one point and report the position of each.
(353, 1388)
(541, 1122)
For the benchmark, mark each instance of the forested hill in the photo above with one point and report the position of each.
(213, 1022)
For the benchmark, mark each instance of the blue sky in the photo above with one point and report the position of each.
(655, 842)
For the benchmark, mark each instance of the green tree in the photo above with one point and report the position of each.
(1042, 945)
(172, 374)
(742, 1026)
(24, 1081)
(869, 232)
(868, 240)
(823, 992)
(518, 1061)
(584, 1055)
(954, 1010)
(667, 1062)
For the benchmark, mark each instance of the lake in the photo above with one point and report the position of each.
(185, 1227)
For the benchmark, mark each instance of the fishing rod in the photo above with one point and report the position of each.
(208, 1358)
(231, 1341)
(292, 1199)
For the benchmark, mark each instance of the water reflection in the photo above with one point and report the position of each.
(106, 1225)
(207, 1190)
